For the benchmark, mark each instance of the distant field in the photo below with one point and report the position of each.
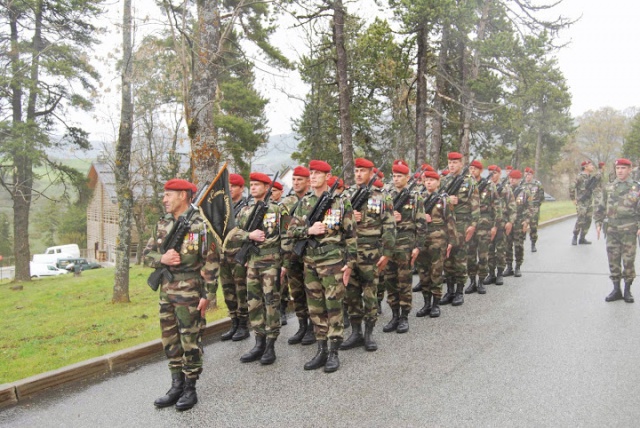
(550, 210)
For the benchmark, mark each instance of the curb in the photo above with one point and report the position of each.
(14, 392)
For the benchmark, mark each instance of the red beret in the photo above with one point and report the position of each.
(454, 156)
(180, 184)
(428, 167)
(585, 163)
(509, 168)
(623, 161)
(515, 174)
(431, 174)
(476, 163)
(379, 184)
(528, 170)
(277, 185)
(333, 179)
(380, 174)
(258, 176)
(236, 180)
(600, 164)
(318, 165)
(444, 172)
(363, 163)
(400, 167)
(301, 171)
(494, 168)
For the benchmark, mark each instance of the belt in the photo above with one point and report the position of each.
(322, 250)
(267, 251)
(183, 276)
(369, 240)
(406, 234)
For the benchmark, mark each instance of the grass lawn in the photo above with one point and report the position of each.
(57, 321)
(550, 210)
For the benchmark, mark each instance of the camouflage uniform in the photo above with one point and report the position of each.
(537, 192)
(524, 213)
(323, 265)
(498, 247)
(584, 203)
(195, 278)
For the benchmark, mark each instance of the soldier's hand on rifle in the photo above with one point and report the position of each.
(453, 200)
(357, 215)
(346, 274)
(494, 230)
(507, 228)
(257, 235)
(318, 228)
(469, 233)
(397, 216)
(414, 255)
(428, 218)
(382, 263)
(170, 258)
(598, 228)
(202, 306)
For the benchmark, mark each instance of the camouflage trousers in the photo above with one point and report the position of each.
(515, 244)
(478, 253)
(295, 279)
(233, 278)
(263, 295)
(497, 250)
(398, 278)
(455, 266)
(430, 261)
(621, 251)
(325, 293)
(182, 325)
(533, 225)
(583, 222)
(361, 296)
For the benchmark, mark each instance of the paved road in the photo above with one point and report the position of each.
(542, 350)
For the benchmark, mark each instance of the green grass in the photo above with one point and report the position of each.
(57, 321)
(556, 209)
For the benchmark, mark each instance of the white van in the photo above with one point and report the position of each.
(37, 270)
(72, 251)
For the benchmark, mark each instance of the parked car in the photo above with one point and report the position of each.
(70, 264)
(548, 197)
(38, 270)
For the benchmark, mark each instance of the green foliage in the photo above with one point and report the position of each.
(631, 146)
(6, 248)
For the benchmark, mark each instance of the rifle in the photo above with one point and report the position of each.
(501, 185)
(175, 239)
(431, 201)
(483, 185)
(317, 213)
(361, 196)
(403, 196)
(239, 206)
(255, 222)
(454, 187)
(589, 188)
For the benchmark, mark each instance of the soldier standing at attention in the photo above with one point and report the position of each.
(263, 268)
(490, 218)
(581, 193)
(467, 213)
(375, 223)
(537, 191)
(327, 267)
(410, 229)
(295, 273)
(233, 276)
(524, 212)
(439, 240)
(619, 211)
(276, 197)
(184, 300)
(497, 249)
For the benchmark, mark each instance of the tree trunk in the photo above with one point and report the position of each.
(123, 161)
(536, 167)
(202, 96)
(343, 91)
(437, 120)
(421, 97)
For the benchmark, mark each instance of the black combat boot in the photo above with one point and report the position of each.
(392, 325)
(173, 394)
(345, 317)
(242, 332)
(333, 363)
(269, 355)
(574, 240)
(417, 288)
(232, 330)
(369, 344)
(355, 339)
(481, 288)
(309, 336)
(516, 272)
(302, 329)
(379, 306)
(320, 358)
(499, 277)
(490, 278)
(458, 298)
(403, 322)
(472, 287)
(256, 352)
(616, 294)
(508, 271)
(448, 296)
(189, 398)
(426, 309)
(628, 297)
(435, 309)
(533, 247)
(283, 313)
(583, 240)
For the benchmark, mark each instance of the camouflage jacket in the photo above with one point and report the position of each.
(412, 224)
(197, 254)
(620, 205)
(237, 206)
(291, 202)
(579, 190)
(468, 208)
(509, 210)
(537, 192)
(377, 227)
(524, 204)
(443, 223)
(490, 205)
(341, 233)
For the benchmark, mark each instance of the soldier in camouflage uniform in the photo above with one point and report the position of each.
(276, 197)
(536, 189)
(490, 218)
(581, 193)
(263, 268)
(466, 210)
(524, 212)
(327, 266)
(619, 211)
(439, 240)
(295, 272)
(233, 276)
(375, 223)
(410, 229)
(183, 300)
(498, 247)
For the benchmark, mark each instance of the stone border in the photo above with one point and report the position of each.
(12, 393)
